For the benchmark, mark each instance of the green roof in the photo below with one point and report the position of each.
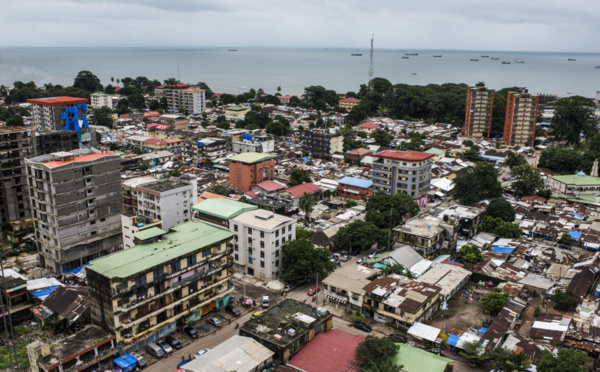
(151, 232)
(252, 157)
(416, 360)
(435, 151)
(223, 208)
(573, 179)
(186, 238)
(237, 108)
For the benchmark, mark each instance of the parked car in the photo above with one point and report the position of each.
(397, 338)
(313, 290)
(166, 347)
(344, 253)
(266, 302)
(141, 360)
(362, 326)
(565, 246)
(190, 332)
(435, 350)
(288, 287)
(201, 352)
(232, 310)
(256, 314)
(175, 344)
(346, 258)
(361, 261)
(155, 350)
(214, 321)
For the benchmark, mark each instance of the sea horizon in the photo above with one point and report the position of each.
(294, 68)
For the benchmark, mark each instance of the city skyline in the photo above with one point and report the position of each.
(464, 25)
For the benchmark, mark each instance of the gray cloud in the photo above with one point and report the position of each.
(553, 25)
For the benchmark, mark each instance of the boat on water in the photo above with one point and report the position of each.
(485, 56)
(411, 54)
(519, 61)
(356, 54)
(495, 58)
(506, 63)
(232, 50)
(414, 73)
(474, 60)
(597, 66)
(437, 56)
(571, 59)
(404, 57)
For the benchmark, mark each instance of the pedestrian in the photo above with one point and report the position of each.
(189, 356)
(182, 357)
(215, 332)
(229, 321)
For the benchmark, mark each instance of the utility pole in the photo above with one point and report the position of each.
(317, 290)
(7, 327)
(390, 232)
(371, 64)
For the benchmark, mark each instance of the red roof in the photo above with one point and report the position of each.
(151, 113)
(405, 155)
(52, 164)
(270, 186)
(299, 190)
(162, 142)
(351, 100)
(330, 351)
(152, 125)
(368, 125)
(533, 197)
(58, 101)
(360, 151)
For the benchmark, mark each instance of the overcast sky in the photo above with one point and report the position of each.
(520, 25)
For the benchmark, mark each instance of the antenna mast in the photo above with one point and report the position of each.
(178, 74)
(371, 64)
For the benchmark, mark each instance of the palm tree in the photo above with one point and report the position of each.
(409, 274)
(306, 203)
(112, 79)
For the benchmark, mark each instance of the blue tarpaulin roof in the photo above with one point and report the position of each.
(357, 182)
(575, 234)
(482, 330)
(75, 270)
(577, 215)
(503, 249)
(306, 159)
(43, 293)
(452, 340)
(126, 361)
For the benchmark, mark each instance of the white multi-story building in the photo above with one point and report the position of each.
(254, 143)
(46, 111)
(168, 200)
(101, 100)
(184, 96)
(258, 237)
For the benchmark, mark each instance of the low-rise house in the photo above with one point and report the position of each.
(550, 328)
(367, 126)
(504, 322)
(449, 278)
(413, 359)
(355, 188)
(356, 155)
(345, 285)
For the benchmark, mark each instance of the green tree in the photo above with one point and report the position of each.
(513, 160)
(299, 176)
(223, 125)
(494, 301)
(474, 352)
(471, 254)
(123, 106)
(537, 311)
(302, 233)
(561, 160)
(302, 261)
(87, 81)
(153, 104)
(357, 316)
(103, 116)
(357, 236)
(137, 101)
(468, 143)
(574, 117)
(400, 205)
(477, 183)
(306, 204)
(567, 360)
(505, 360)
(500, 227)
(376, 350)
(472, 155)
(14, 121)
(500, 208)
(566, 238)
(564, 299)
(350, 203)
(219, 189)
(382, 138)
(143, 167)
(320, 98)
(528, 180)
(175, 173)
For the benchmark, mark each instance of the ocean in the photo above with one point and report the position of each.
(293, 69)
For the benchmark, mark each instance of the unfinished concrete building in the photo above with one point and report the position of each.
(55, 141)
(76, 206)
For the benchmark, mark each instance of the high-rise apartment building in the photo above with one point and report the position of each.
(46, 111)
(183, 96)
(142, 293)
(76, 206)
(249, 169)
(259, 235)
(319, 144)
(479, 109)
(402, 171)
(55, 141)
(101, 100)
(15, 147)
(520, 119)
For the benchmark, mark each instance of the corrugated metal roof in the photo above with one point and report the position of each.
(223, 208)
(355, 181)
(413, 359)
(251, 157)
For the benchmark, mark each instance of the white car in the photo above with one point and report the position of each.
(201, 352)
(214, 321)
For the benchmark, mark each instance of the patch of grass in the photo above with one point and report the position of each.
(22, 357)
(22, 330)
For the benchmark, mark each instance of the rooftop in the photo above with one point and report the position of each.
(357, 182)
(405, 155)
(262, 219)
(447, 277)
(237, 108)
(351, 278)
(577, 180)
(152, 232)
(270, 186)
(350, 100)
(330, 351)
(252, 157)
(299, 190)
(183, 240)
(368, 125)
(58, 159)
(164, 185)
(417, 360)
(224, 208)
(57, 101)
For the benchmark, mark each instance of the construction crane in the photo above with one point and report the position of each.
(371, 64)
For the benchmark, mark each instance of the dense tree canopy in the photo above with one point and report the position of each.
(474, 352)
(477, 183)
(513, 160)
(501, 208)
(564, 299)
(85, 80)
(219, 189)
(299, 176)
(574, 117)
(399, 206)
(528, 180)
(382, 138)
(494, 301)
(471, 254)
(320, 98)
(302, 261)
(103, 116)
(568, 360)
(357, 236)
(502, 228)
(376, 351)
(505, 360)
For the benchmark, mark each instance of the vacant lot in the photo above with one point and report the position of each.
(462, 314)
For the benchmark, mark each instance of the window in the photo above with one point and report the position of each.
(262, 254)
(249, 240)
(249, 260)
(277, 243)
(262, 264)
(175, 267)
(191, 260)
(235, 228)
(289, 228)
(277, 233)
(250, 230)
(236, 247)
(290, 237)
(283, 240)
(262, 244)
(262, 234)
(276, 263)
(206, 252)
(237, 258)
(277, 253)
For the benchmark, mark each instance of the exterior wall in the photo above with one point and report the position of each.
(354, 192)
(101, 100)
(520, 119)
(47, 118)
(322, 145)
(257, 250)
(479, 110)
(153, 302)
(404, 317)
(572, 189)
(60, 140)
(76, 209)
(393, 176)
(242, 176)
(234, 115)
(172, 207)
